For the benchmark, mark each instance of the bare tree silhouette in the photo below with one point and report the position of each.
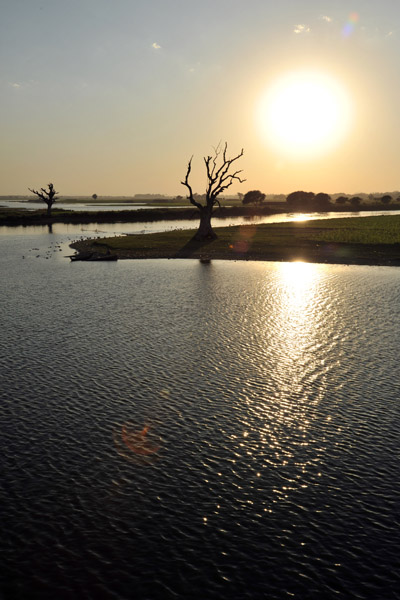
(219, 177)
(48, 196)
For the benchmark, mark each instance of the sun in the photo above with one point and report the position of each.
(304, 114)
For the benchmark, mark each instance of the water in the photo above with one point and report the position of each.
(78, 206)
(272, 391)
(70, 232)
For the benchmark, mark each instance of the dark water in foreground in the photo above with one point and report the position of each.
(272, 391)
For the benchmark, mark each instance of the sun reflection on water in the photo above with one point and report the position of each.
(298, 277)
(300, 217)
(288, 412)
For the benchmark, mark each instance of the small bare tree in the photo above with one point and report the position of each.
(48, 196)
(219, 177)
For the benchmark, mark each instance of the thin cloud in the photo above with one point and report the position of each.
(155, 46)
(21, 85)
(326, 19)
(299, 29)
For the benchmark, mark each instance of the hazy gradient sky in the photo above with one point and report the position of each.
(114, 96)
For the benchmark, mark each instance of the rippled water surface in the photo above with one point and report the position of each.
(269, 469)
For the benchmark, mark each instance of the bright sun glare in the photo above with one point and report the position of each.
(304, 113)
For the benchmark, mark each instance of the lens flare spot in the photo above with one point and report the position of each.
(350, 25)
(130, 441)
(138, 442)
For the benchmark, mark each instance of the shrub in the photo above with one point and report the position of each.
(355, 201)
(253, 197)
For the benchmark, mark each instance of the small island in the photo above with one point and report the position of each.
(373, 240)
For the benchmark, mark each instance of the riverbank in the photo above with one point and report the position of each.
(20, 216)
(362, 241)
(15, 217)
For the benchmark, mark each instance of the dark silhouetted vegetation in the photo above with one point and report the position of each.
(322, 201)
(386, 199)
(220, 177)
(355, 201)
(308, 201)
(253, 197)
(48, 196)
(299, 200)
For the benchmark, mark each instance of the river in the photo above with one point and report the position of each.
(271, 394)
(75, 206)
(61, 233)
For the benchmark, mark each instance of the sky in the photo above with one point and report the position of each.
(114, 96)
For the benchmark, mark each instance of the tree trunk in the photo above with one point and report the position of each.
(205, 231)
(49, 209)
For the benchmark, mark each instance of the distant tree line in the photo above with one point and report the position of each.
(150, 197)
(356, 200)
(308, 201)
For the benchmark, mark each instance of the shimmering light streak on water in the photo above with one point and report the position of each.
(288, 324)
(272, 396)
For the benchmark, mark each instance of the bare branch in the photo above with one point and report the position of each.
(217, 152)
(211, 178)
(222, 188)
(48, 196)
(221, 178)
(52, 191)
(189, 187)
(225, 179)
(226, 163)
(42, 196)
(223, 170)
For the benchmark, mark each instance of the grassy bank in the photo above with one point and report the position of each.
(13, 217)
(364, 240)
(20, 216)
